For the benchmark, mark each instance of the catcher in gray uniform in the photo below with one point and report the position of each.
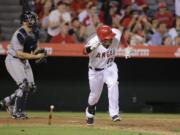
(22, 47)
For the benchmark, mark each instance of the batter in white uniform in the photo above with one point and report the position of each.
(102, 69)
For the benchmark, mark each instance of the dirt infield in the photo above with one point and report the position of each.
(151, 124)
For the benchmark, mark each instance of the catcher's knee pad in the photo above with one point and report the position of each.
(24, 85)
(19, 93)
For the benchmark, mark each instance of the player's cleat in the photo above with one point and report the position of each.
(89, 118)
(90, 121)
(9, 108)
(116, 118)
(20, 115)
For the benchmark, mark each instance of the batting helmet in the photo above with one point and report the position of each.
(31, 18)
(105, 33)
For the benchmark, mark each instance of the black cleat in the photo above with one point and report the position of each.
(89, 118)
(116, 118)
(20, 115)
(90, 121)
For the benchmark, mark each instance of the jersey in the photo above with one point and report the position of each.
(103, 57)
(23, 41)
(20, 69)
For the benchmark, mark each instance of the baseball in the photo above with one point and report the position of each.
(52, 107)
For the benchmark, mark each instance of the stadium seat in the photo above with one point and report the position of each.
(10, 12)
(10, 8)
(9, 2)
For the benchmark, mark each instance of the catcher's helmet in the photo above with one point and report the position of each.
(31, 18)
(105, 33)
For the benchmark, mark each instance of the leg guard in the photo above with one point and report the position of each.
(20, 96)
(10, 99)
(19, 101)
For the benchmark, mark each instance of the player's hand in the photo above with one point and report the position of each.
(41, 55)
(128, 52)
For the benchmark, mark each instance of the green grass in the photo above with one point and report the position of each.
(17, 130)
(176, 130)
(80, 129)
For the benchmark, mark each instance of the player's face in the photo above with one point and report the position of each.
(26, 25)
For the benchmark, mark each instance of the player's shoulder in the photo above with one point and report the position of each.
(22, 30)
(20, 34)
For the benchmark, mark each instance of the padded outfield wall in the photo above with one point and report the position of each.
(146, 85)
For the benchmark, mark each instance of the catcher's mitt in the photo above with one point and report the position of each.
(43, 59)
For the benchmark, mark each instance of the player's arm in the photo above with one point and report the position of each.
(128, 49)
(121, 37)
(89, 49)
(91, 46)
(24, 55)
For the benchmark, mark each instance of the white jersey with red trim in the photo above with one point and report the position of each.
(102, 57)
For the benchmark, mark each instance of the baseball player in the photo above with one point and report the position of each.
(101, 49)
(22, 48)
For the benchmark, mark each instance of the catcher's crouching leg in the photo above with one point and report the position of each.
(20, 101)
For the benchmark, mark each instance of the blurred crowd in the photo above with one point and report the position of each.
(74, 21)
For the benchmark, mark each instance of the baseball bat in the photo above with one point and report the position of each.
(50, 115)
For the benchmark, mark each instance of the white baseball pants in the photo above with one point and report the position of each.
(96, 81)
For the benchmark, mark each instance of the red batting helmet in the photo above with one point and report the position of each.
(105, 33)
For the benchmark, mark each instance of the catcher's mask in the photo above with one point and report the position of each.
(31, 18)
(105, 34)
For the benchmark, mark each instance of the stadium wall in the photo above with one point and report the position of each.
(146, 85)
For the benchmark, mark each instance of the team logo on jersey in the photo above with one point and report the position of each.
(107, 54)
